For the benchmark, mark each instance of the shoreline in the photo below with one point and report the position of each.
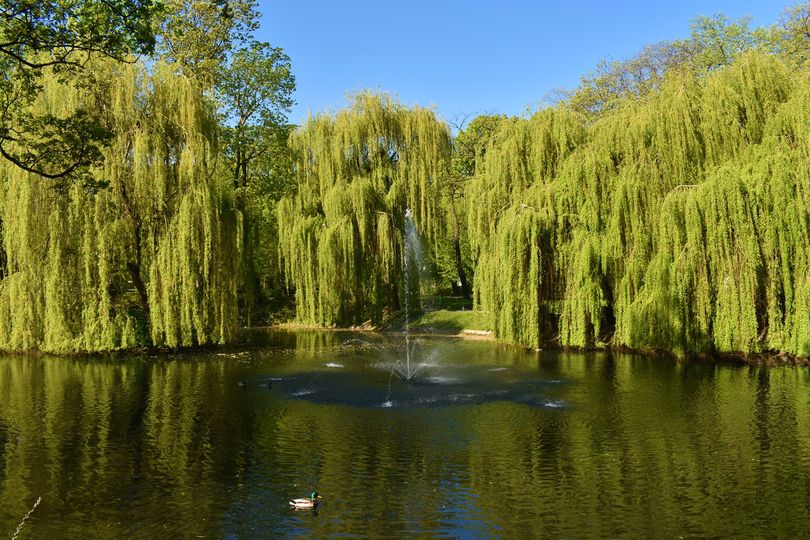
(767, 359)
(466, 333)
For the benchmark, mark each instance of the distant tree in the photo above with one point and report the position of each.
(716, 41)
(61, 36)
(255, 96)
(469, 146)
(199, 35)
(613, 81)
(792, 34)
(713, 42)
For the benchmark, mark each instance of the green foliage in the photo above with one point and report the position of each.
(250, 83)
(716, 41)
(470, 144)
(66, 31)
(516, 264)
(38, 38)
(340, 233)
(792, 34)
(253, 92)
(454, 264)
(677, 222)
(613, 80)
(663, 204)
(89, 270)
(197, 36)
(713, 42)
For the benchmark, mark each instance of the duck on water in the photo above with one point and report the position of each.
(304, 504)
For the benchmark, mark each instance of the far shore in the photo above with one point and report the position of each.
(463, 324)
(418, 329)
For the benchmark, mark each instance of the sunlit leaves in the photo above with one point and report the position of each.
(676, 222)
(340, 233)
(153, 258)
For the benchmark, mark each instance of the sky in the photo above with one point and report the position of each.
(466, 58)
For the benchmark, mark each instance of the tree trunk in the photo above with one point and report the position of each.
(462, 275)
(135, 274)
(249, 278)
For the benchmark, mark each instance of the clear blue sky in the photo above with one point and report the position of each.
(470, 57)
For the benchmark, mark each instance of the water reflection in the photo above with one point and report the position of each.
(166, 447)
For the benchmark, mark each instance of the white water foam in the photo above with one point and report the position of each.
(442, 380)
(461, 397)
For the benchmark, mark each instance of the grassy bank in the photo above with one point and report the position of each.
(441, 321)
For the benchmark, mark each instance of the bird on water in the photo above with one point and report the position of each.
(305, 503)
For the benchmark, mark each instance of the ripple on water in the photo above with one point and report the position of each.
(455, 398)
(443, 380)
(553, 404)
(334, 365)
(588, 445)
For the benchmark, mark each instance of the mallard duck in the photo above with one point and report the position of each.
(312, 502)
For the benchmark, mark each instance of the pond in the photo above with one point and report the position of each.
(486, 441)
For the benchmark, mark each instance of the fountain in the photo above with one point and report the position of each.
(406, 366)
(412, 256)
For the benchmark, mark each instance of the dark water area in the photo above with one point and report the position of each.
(487, 441)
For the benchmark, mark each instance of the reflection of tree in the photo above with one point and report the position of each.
(103, 441)
(395, 460)
(660, 448)
(125, 448)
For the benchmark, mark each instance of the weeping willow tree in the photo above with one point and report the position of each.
(511, 225)
(151, 257)
(341, 232)
(676, 221)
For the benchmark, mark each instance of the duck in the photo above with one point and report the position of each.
(303, 504)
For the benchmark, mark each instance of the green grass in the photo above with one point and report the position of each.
(449, 322)
(452, 303)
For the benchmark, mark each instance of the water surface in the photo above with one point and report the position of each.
(489, 441)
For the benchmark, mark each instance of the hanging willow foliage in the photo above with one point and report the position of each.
(149, 259)
(340, 233)
(679, 221)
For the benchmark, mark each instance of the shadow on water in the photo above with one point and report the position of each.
(370, 382)
(365, 373)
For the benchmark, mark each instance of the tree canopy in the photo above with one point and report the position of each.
(674, 222)
(340, 232)
(61, 37)
(141, 242)
(164, 201)
(149, 260)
